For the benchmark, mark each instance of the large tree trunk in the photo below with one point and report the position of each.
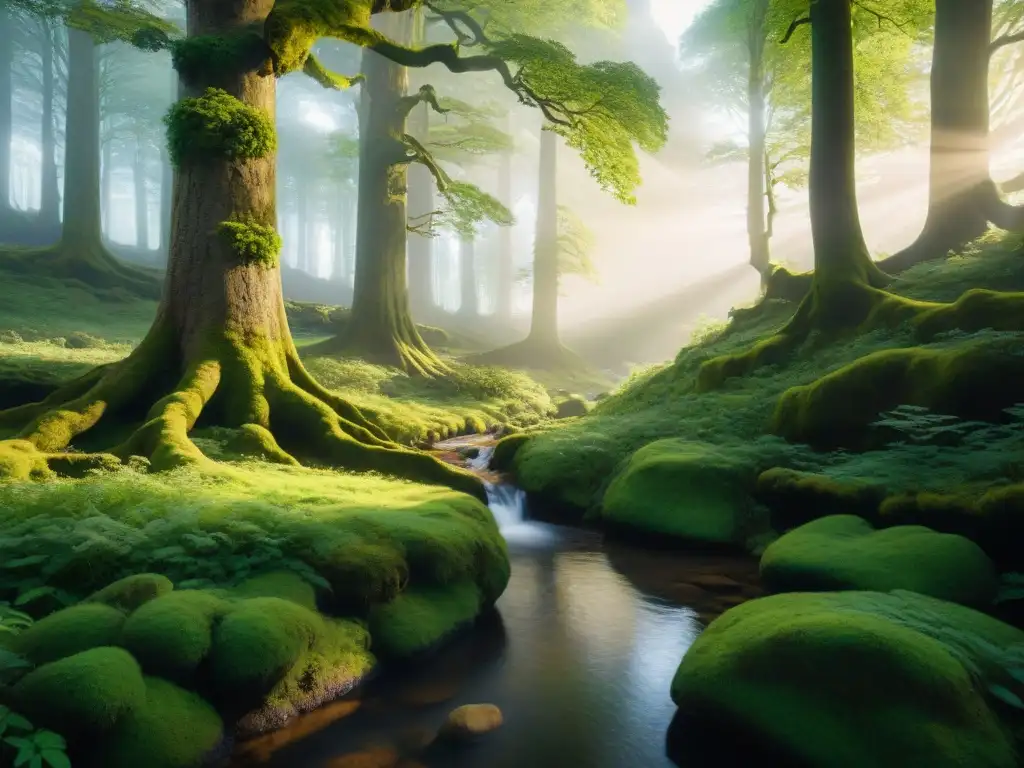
(49, 209)
(757, 231)
(141, 198)
(6, 111)
(82, 145)
(220, 343)
(544, 323)
(381, 327)
(421, 203)
(106, 178)
(506, 256)
(960, 190)
(166, 187)
(469, 307)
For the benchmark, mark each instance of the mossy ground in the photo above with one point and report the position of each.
(913, 451)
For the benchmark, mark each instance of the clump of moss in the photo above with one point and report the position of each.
(795, 498)
(196, 58)
(798, 679)
(171, 728)
(419, 619)
(131, 592)
(283, 584)
(571, 407)
(216, 125)
(70, 631)
(845, 552)
(252, 242)
(83, 694)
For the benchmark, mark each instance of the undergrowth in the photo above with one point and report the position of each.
(573, 463)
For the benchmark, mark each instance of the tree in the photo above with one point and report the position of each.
(220, 343)
(962, 198)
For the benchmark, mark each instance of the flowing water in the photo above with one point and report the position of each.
(578, 654)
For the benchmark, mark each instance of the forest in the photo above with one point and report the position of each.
(464, 383)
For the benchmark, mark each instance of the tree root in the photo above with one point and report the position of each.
(91, 264)
(254, 386)
(402, 348)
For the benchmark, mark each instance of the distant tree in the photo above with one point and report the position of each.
(221, 336)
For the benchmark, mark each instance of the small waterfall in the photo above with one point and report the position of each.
(507, 504)
(482, 459)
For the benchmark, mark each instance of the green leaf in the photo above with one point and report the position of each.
(14, 720)
(24, 562)
(36, 761)
(49, 740)
(56, 758)
(34, 594)
(1006, 695)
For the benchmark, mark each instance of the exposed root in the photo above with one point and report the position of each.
(91, 264)
(257, 387)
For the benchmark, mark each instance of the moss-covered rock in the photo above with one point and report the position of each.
(847, 680)
(131, 592)
(286, 585)
(172, 728)
(686, 490)
(70, 631)
(795, 498)
(171, 635)
(505, 451)
(81, 695)
(571, 407)
(846, 552)
(419, 619)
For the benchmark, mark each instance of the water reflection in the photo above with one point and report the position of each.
(576, 656)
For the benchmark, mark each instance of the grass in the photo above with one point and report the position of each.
(572, 464)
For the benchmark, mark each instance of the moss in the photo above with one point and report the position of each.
(795, 498)
(216, 125)
(254, 440)
(803, 677)
(283, 584)
(82, 695)
(572, 406)
(845, 552)
(418, 619)
(294, 26)
(173, 728)
(171, 635)
(253, 243)
(687, 490)
(975, 381)
(131, 592)
(199, 58)
(20, 460)
(70, 631)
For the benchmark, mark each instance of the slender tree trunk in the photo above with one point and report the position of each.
(340, 232)
(302, 223)
(49, 209)
(469, 306)
(6, 110)
(349, 224)
(840, 253)
(166, 187)
(756, 229)
(421, 203)
(381, 325)
(506, 256)
(141, 198)
(82, 145)
(544, 323)
(106, 180)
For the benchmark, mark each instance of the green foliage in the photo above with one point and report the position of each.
(254, 244)
(201, 58)
(575, 246)
(216, 125)
(467, 206)
(464, 142)
(123, 20)
(40, 748)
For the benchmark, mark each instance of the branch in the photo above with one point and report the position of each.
(425, 95)
(417, 153)
(423, 228)
(1005, 40)
(882, 17)
(457, 19)
(328, 79)
(798, 22)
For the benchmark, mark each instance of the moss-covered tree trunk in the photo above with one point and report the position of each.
(506, 256)
(380, 326)
(421, 203)
(757, 232)
(141, 197)
(6, 112)
(49, 207)
(959, 187)
(220, 346)
(544, 322)
(469, 306)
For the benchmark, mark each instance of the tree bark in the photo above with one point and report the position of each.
(544, 322)
(82, 145)
(381, 327)
(469, 306)
(106, 177)
(302, 223)
(757, 231)
(960, 190)
(49, 209)
(421, 203)
(221, 331)
(506, 255)
(141, 198)
(6, 111)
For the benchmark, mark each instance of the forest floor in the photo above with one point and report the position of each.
(719, 442)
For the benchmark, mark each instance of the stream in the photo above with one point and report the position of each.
(578, 654)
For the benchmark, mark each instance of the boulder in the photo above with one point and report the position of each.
(470, 721)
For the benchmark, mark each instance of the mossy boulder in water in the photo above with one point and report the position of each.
(683, 489)
(847, 680)
(845, 552)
